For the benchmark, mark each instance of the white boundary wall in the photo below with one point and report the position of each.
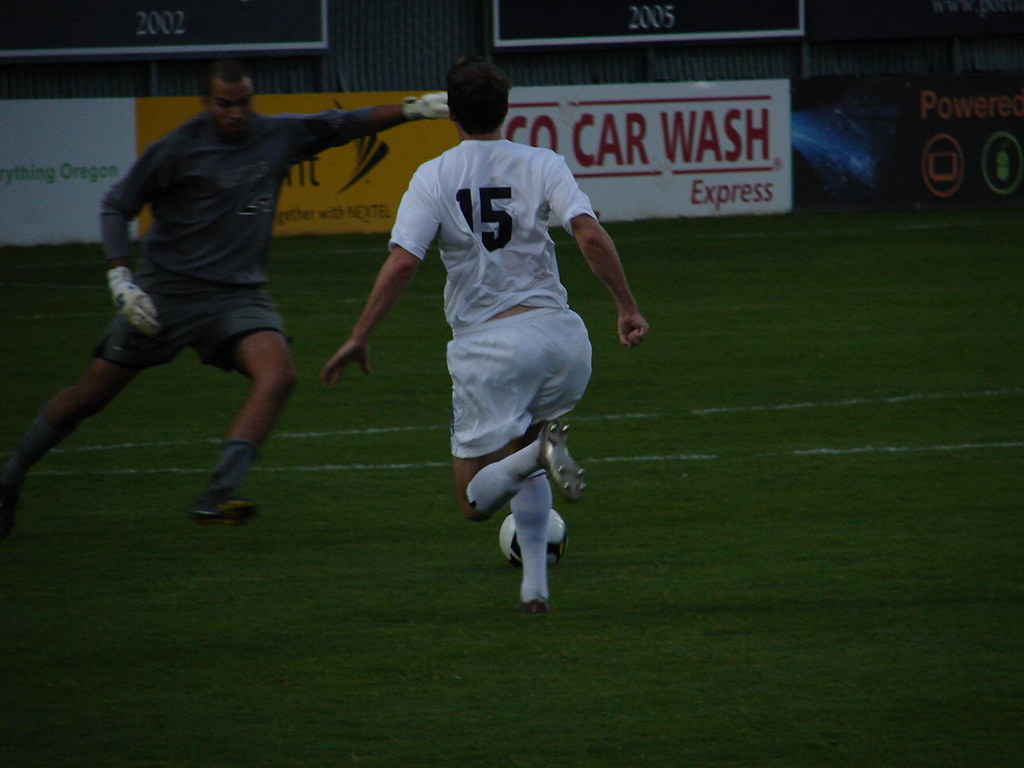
(640, 151)
(57, 159)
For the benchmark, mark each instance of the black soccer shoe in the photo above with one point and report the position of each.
(230, 511)
(8, 503)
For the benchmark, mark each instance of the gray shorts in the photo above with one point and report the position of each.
(211, 322)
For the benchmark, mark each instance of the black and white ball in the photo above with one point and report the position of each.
(558, 539)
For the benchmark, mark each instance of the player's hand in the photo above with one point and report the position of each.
(632, 330)
(348, 352)
(132, 302)
(430, 106)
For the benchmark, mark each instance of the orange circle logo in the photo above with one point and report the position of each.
(942, 165)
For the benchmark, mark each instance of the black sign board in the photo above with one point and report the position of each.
(564, 23)
(57, 29)
(885, 19)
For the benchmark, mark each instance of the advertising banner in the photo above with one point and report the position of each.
(654, 150)
(907, 19)
(57, 159)
(924, 142)
(352, 188)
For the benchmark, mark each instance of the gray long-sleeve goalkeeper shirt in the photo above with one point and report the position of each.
(213, 201)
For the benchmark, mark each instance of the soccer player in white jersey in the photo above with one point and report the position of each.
(213, 185)
(519, 358)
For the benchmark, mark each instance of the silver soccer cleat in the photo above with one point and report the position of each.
(554, 456)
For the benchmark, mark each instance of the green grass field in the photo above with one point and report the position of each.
(802, 544)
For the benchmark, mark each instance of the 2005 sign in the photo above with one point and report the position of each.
(152, 23)
(644, 17)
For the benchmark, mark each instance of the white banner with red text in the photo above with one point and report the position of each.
(657, 150)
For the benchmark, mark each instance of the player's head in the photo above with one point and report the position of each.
(228, 98)
(477, 95)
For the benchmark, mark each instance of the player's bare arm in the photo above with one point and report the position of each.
(602, 257)
(395, 274)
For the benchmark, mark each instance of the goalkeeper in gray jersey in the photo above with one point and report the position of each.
(213, 185)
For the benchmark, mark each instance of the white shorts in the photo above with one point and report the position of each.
(513, 372)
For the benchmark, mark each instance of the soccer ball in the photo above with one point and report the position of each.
(558, 538)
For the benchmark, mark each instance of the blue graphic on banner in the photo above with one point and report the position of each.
(845, 145)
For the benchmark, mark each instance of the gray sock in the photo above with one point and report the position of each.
(36, 443)
(236, 458)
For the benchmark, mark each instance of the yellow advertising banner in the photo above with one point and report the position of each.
(352, 188)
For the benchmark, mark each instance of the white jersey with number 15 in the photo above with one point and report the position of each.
(489, 203)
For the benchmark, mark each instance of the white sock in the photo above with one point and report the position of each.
(530, 509)
(495, 485)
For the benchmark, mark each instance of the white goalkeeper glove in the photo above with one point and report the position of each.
(430, 106)
(131, 301)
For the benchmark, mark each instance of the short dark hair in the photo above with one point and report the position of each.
(225, 70)
(477, 94)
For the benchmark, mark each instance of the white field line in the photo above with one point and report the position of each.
(321, 434)
(678, 457)
(861, 401)
(898, 449)
(659, 458)
(849, 402)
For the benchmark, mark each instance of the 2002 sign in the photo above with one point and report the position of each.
(154, 23)
(644, 17)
